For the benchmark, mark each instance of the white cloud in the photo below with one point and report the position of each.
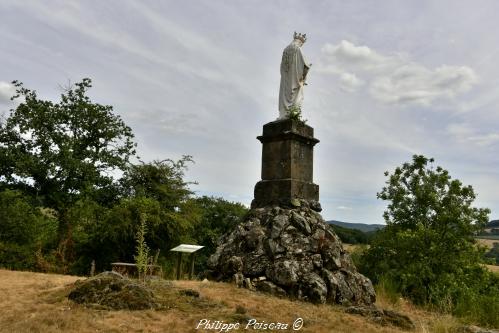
(393, 79)
(344, 208)
(485, 139)
(7, 90)
(346, 53)
(459, 130)
(466, 134)
(350, 82)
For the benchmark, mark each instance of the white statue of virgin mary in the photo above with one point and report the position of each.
(294, 71)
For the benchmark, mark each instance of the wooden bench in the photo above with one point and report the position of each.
(129, 269)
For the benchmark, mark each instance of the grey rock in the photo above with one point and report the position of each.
(332, 285)
(314, 288)
(248, 284)
(317, 261)
(315, 205)
(274, 248)
(238, 279)
(234, 265)
(279, 223)
(284, 273)
(301, 223)
(383, 317)
(255, 265)
(270, 288)
(344, 294)
(295, 243)
(254, 238)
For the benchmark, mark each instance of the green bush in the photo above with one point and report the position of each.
(427, 250)
(24, 229)
(217, 216)
(18, 257)
(493, 254)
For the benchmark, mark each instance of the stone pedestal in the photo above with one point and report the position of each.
(287, 164)
(283, 246)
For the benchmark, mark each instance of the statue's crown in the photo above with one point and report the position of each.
(301, 37)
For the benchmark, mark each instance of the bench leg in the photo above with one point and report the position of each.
(191, 272)
(179, 262)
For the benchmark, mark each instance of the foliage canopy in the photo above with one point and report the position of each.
(62, 151)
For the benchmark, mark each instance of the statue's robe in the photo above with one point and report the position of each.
(293, 73)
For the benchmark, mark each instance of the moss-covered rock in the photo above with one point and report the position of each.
(110, 290)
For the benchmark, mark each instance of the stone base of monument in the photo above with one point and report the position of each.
(283, 246)
(290, 252)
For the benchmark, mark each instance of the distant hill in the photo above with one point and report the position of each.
(373, 227)
(359, 226)
(493, 224)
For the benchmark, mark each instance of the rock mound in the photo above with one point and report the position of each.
(110, 290)
(290, 252)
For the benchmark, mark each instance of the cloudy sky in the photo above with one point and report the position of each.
(389, 79)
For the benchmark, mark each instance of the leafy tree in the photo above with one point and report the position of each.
(154, 193)
(89, 231)
(427, 247)
(59, 152)
(159, 180)
(218, 216)
(163, 182)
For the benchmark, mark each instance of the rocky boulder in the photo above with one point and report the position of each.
(383, 317)
(110, 290)
(290, 251)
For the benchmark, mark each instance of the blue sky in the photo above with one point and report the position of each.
(389, 79)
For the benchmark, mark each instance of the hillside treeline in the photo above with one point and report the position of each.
(353, 236)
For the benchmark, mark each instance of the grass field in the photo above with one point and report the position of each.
(489, 243)
(493, 268)
(33, 302)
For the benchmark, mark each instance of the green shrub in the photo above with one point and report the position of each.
(493, 255)
(479, 303)
(428, 250)
(217, 216)
(18, 257)
(24, 229)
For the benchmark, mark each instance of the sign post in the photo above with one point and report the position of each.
(187, 248)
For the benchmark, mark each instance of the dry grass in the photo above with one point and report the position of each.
(350, 247)
(33, 302)
(493, 268)
(489, 243)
